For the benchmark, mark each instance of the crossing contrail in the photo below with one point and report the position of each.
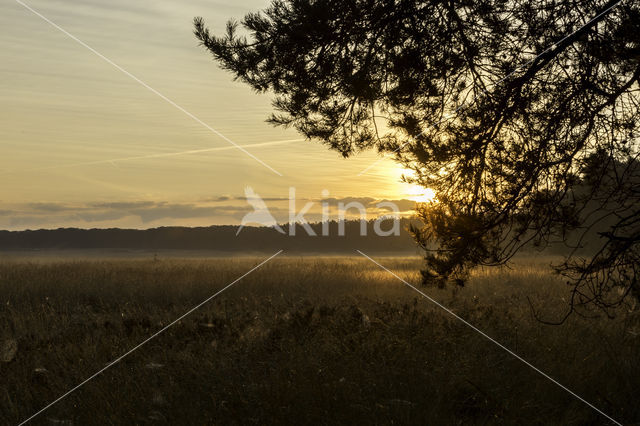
(142, 83)
(114, 161)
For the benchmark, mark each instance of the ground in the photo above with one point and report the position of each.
(303, 340)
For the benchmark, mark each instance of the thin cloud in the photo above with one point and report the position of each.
(215, 210)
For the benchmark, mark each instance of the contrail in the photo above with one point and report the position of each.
(113, 161)
(142, 83)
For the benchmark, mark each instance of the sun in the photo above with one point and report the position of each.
(409, 191)
(418, 193)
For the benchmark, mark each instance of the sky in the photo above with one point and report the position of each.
(146, 142)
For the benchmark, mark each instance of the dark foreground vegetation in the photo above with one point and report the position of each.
(303, 340)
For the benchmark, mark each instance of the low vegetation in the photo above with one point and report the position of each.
(304, 340)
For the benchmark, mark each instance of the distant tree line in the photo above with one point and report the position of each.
(221, 239)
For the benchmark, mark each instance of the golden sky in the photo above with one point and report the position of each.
(78, 135)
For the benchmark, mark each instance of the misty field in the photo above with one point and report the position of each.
(304, 341)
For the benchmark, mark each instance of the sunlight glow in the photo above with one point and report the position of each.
(411, 191)
(420, 194)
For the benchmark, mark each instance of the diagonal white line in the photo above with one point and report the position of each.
(82, 43)
(500, 345)
(113, 161)
(162, 330)
(519, 67)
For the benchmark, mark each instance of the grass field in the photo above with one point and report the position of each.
(304, 341)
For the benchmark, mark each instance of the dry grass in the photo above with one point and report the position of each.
(304, 340)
